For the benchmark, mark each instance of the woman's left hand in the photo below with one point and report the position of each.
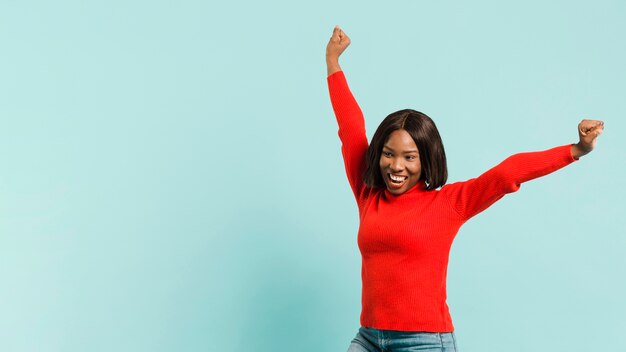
(588, 132)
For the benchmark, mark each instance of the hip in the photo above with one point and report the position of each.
(375, 340)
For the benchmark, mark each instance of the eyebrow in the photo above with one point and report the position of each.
(406, 151)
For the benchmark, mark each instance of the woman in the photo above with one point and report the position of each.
(409, 216)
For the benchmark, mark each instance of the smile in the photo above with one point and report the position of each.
(397, 180)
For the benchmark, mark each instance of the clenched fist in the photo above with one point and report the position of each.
(588, 132)
(338, 42)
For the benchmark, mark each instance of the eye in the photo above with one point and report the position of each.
(387, 154)
(411, 157)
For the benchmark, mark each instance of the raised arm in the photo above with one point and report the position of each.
(349, 115)
(473, 196)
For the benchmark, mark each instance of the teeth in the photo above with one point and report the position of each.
(397, 178)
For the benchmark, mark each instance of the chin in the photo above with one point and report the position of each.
(394, 190)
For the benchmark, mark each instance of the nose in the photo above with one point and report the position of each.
(397, 165)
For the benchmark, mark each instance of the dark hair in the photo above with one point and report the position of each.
(427, 139)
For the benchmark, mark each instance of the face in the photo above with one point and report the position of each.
(400, 162)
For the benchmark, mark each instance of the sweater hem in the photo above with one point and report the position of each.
(408, 327)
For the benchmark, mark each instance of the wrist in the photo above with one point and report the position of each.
(332, 66)
(578, 150)
(332, 59)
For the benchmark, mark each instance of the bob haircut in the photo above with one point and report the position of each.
(427, 139)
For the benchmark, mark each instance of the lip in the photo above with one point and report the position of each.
(393, 185)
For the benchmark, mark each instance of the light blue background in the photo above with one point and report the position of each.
(171, 178)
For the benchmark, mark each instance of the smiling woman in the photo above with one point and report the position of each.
(406, 138)
(399, 163)
(409, 216)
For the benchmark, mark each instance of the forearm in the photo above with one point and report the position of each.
(471, 197)
(332, 65)
(578, 151)
(347, 111)
(523, 167)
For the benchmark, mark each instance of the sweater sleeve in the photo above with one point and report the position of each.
(473, 196)
(351, 131)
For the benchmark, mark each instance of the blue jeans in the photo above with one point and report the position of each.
(374, 340)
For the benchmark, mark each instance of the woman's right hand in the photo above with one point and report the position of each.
(338, 42)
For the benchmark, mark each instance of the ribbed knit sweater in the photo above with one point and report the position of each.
(405, 239)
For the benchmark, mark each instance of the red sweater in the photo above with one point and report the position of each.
(405, 240)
